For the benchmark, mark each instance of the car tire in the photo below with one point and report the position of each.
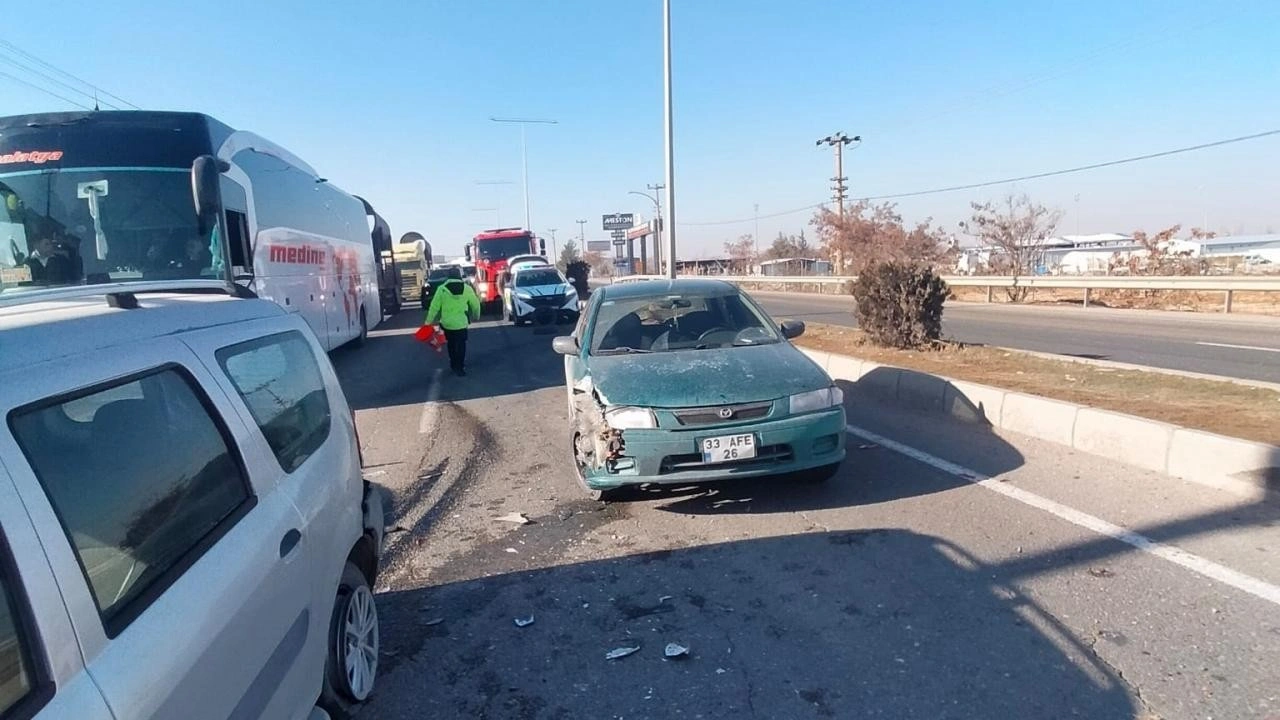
(349, 678)
(819, 475)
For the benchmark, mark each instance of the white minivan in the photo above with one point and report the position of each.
(184, 528)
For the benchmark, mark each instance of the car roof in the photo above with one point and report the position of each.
(684, 286)
(35, 332)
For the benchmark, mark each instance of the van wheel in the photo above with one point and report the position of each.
(352, 664)
(364, 331)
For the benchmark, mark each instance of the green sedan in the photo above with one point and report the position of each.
(678, 381)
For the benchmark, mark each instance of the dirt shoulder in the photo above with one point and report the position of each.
(1221, 407)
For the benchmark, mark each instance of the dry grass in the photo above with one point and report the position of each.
(1220, 407)
(1254, 303)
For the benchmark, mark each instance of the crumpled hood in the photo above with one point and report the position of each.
(697, 378)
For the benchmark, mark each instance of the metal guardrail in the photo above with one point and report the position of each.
(1226, 284)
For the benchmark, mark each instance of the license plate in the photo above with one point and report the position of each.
(727, 448)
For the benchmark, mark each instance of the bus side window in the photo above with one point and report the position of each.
(238, 239)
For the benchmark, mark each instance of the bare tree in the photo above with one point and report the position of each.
(869, 234)
(1015, 229)
(741, 253)
(1160, 259)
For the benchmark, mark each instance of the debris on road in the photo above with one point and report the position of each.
(664, 598)
(524, 621)
(621, 652)
(675, 650)
(1101, 573)
(513, 551)
(517, 518)
(394, 529)
(433, 621)
(868, 446)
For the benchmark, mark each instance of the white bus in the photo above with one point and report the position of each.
(144, 201)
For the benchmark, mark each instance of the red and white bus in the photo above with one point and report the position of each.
(132, 201)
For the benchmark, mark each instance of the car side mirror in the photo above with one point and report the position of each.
(565, 345)
(792, 329)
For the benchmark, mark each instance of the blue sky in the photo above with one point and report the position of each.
(391, 100)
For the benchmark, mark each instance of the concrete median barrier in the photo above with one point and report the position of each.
(1249, 469)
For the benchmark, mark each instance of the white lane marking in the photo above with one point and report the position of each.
(392, 333)
(431, 408)
(1195, 563)
(1240, 347)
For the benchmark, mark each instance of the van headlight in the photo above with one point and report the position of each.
(807, 402)
(630, 418)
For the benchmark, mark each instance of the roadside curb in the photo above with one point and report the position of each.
(1242, 467)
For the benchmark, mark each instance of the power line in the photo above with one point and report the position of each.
(46, 91)
(1006, 181)
(37, 73)
(14, 48)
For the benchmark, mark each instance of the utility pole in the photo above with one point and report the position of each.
(838, 187)
(669, 137)
(555, 253)
(755, 237)
(524, 156)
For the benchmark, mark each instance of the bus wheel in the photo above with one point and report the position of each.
(364, 331)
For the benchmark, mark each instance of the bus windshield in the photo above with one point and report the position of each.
(502, 248)
(71, 226)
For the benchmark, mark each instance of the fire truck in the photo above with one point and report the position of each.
(490, 251)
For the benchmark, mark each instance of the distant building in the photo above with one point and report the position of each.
(1265, 247)
(795, 266)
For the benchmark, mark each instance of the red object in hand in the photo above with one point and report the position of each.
(432, 335)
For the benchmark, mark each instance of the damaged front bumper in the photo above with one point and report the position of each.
(673, 455)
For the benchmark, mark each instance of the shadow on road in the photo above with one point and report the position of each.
(880, 623)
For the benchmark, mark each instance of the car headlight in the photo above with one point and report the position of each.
(630, 418)
(816, 400)
(571, 291)
(524, 296)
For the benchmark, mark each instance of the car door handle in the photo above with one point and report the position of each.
(289, 542)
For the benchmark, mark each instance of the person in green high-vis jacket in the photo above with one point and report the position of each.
(455, 306)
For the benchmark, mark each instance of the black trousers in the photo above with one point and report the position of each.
(456, 343)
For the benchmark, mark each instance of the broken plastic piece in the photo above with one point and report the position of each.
(675, 650)
(516, 517)
(513, 551)
(621, 652)
(433, 621)
(524, 621)
(664, 598)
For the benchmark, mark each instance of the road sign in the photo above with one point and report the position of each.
(619, 221)
(618, 234)
(619, 242)
(597, 246)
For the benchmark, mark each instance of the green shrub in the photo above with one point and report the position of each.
(900, 304)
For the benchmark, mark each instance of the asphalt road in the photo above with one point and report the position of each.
(901, 589)
(1236, 346)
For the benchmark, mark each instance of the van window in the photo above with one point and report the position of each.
(16, 681)
(137, 512)
(280, 382)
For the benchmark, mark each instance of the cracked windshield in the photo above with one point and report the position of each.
(702, 360)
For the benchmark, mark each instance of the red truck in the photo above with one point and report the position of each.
(490, 250)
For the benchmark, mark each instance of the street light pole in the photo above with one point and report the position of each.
(838, 187)
(555, 252)
(657, 211)
(582, 232)
(668, 135)
(524, 156)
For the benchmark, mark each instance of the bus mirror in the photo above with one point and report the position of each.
(204, 191)
(542, 247)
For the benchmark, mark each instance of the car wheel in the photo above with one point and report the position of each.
(352, 664)
(819, 475)
(579, 471)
